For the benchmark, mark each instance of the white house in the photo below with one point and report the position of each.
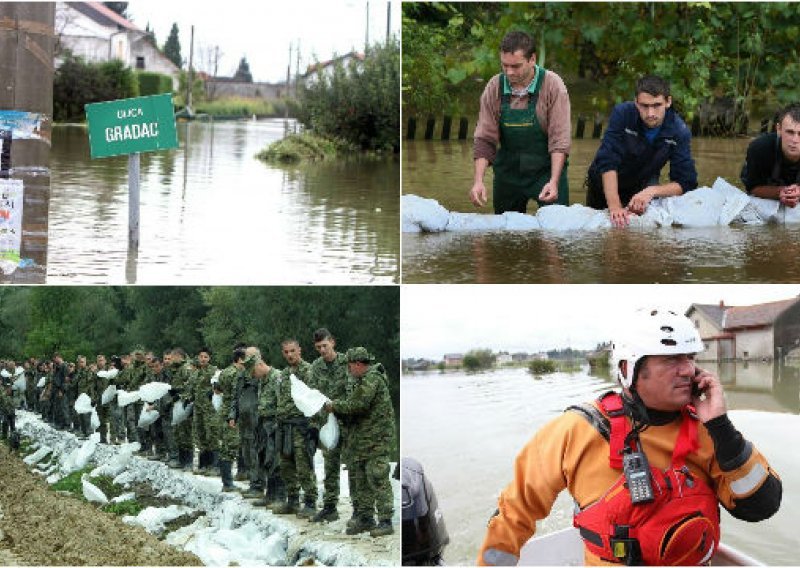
(326, 68)
(97, 34)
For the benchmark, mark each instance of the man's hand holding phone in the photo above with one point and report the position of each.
(707, 395)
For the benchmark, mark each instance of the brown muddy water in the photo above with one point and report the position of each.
(212, 213)
(443, 171)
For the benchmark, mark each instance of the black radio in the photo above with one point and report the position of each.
(637, 477)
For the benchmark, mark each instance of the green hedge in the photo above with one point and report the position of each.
(153, 83)
(77, 83)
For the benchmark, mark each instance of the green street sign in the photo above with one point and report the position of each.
(127, 126)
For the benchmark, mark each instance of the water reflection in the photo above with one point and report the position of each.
(211, 213)
(443, 171)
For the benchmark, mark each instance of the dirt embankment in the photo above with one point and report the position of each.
(40, 527)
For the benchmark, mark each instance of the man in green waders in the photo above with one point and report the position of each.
(525, 109)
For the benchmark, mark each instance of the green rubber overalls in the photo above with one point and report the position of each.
(522, 165)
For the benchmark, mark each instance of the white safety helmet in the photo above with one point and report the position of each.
(655, 331)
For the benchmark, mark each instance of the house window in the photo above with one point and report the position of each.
(140, 62)
(746, 353)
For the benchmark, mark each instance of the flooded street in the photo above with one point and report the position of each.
(466, 430)
(212, 213)
(443, 171)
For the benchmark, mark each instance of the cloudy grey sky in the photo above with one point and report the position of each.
(437, 319)
(262, 31)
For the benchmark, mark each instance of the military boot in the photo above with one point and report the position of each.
(359, 524)
(287, 507)
(227, 478)
(384, 528)
(327, 513)
(309, 509)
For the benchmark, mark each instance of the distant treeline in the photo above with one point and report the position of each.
(37, 321)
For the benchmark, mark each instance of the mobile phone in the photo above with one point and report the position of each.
(697, 392)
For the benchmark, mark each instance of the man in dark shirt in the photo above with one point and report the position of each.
(772, 167)
(642, 136)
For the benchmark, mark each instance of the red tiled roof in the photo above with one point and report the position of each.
(110, 14)
(758, 315)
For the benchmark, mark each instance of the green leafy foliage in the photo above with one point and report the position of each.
(131, 507)
(542, 367)
(153, 83)
(479, 359)
(358, 103)
(77, 83)
(742, 53)
(172, 47)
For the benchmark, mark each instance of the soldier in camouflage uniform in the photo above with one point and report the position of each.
(297, 441)
(160, 431)
(228, 431)
(119, 413)
(205, 421)
(329, 375)
(84, 382)
(138, 377)
(58, 400)
(244, 410)
(30, 384)
(7, 411)
(103, 410)
(370, 436)
(181, 381)
(270, 462)
(71, 393)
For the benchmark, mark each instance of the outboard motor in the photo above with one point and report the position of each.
(424, 532)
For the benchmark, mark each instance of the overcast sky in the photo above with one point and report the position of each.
(438, 319)
(262, 31)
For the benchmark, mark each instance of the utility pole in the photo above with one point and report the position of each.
(27, 37)
(388, 20)
(288, 83)
(366, 37)
(297, 68)
(190, 76)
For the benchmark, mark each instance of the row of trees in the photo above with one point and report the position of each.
(737, 52)
(36, 321)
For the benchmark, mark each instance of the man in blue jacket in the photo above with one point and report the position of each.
(642, 136)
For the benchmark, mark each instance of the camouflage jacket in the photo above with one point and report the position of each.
(85, 383)
(268, 395)
(180, 377)
(370, 415)
(227, 387)
(330, 378)
(201, 389)
(280, 397)
(138, 375)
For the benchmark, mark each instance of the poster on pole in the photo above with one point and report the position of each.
(11, 199)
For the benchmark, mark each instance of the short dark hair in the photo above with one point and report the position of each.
(652, 85)
(289, 340)
(179, 350)
(518, 41)
(239, 354)
(322, 334)
(792, 111)
(205, 350)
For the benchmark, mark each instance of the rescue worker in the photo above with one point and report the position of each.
(103, 410)
(58, 395)
(245, 415)
(205, 422)
(84, 383)
(370, 437)
(642, 136)
(137, 377)
(269, 437)
(671, 415)
(161, 430)
(329, 376)
(295, 435)
(772, 167)
(180, 374)
(525, 110)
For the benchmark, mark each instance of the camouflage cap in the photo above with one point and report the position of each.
(359, 355)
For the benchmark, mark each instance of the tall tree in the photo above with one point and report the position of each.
(172, 47)
(243, 72)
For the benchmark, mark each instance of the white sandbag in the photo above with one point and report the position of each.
(215, 378)
(767, 209)
(735, 201)
(79, 457)
(19, 371)
(516, 221)
(475, 222)
(83, 404)
(420, 214)
(309, 401)
(329, 433)
(37, 456)
(5, 374)
(19, 384)
(789, 215)
(147, 417)
(216, 401)
(152, 392)
(124, 398)
(41, 382)
(108, 395)
(94, 421)
(131, 495)
(91, 492)
(697, 208)
(109, 374)
(116, 465)
(181, 412)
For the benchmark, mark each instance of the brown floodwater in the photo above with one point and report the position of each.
(443, 171)
(212, 213)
